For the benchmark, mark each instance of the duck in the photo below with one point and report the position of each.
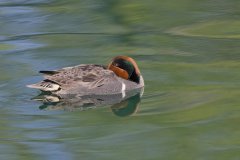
(120, 76)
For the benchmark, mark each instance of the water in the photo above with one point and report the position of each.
(188, 53)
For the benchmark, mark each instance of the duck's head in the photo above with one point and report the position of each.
(126, 68)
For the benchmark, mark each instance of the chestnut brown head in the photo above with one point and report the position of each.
(126, 68)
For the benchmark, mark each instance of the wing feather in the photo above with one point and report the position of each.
(86, 76)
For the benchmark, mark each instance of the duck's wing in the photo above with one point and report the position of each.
(77, 74)
(85, 75)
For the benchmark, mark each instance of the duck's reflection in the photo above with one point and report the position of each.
(120, 106)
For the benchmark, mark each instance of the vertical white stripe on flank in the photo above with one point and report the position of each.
(123, 90)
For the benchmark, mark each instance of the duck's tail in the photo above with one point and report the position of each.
(45, 86)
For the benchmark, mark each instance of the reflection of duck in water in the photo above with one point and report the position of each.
(119, 77)
(127, 107)
(120, 106)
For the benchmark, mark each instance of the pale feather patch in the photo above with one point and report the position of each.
(51, 98)
(45, 86)
(123, 90)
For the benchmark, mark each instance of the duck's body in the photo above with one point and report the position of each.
(91, 79)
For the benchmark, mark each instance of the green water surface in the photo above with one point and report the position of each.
(188, 52)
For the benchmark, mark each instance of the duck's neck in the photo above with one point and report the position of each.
(134, 77)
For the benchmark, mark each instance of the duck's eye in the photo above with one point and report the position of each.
(115, 64)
